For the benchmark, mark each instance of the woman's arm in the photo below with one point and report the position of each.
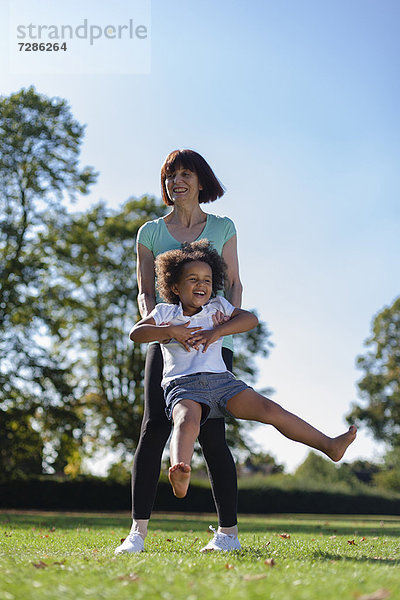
(146, 330)
(145, 279)
(240, 321)
(233, 285)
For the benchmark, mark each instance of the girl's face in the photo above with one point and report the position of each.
(183, 184)
(194, 287)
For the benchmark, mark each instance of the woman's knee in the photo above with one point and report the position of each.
(156, 428)
(212, 436)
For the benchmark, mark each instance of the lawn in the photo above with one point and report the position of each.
(284, 557)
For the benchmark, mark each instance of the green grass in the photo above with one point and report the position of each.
(66, 556)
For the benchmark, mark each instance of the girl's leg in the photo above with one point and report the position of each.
(221, 466)
(250, 405)
(154, 434)
(186, 416)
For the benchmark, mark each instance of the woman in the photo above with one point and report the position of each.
(187, 181)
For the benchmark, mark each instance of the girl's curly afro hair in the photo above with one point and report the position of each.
(169, 267)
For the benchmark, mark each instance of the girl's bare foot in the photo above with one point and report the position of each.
(179, 478)
(339, 444)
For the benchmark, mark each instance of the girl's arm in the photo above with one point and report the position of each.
(146, 330)
(145, 279)
(240, 321)
(233, 285)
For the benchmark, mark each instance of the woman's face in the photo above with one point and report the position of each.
(183, 185)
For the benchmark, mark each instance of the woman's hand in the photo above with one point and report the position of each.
(218, 318)
(183, 334)
(166, 340)
(209, 336)
(205, 338)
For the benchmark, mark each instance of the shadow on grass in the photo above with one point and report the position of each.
(60, 520)
(346, 525)
(325, 556)
(301, 524)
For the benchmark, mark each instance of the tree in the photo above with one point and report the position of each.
(380, 385)
(388, 475)
(364, 470)
(317, 470)
(248, 346)
(91, 306)
(39, 152)
(21, 447)
(260, 463)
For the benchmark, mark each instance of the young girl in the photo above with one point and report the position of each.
(196, 384)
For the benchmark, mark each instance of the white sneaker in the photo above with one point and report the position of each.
(133, 543)
(222, 541)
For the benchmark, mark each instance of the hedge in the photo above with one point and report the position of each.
(95, 494)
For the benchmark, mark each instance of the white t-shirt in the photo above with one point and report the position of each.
(178, 361)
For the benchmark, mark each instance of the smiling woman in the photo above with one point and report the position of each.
(193, 166)
(187, 181)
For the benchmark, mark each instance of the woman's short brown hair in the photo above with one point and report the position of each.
(189, 159)
(169, 267)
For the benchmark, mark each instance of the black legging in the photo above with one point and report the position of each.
(154, 435)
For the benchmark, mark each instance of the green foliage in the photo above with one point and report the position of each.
(388, 477)
(363, 470)
(39, 151)
(90, 308)
(248, 346)
(317, 472)
(259, 463)
(380, 384)
(257, 495)
(21, 446)
(317, 469)
(119, 472)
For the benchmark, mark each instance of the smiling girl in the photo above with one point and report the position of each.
(197, 385)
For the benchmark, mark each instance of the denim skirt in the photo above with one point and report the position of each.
(211, 390)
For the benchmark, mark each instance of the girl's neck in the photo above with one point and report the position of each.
(189, 312)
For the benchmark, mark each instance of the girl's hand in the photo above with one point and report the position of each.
(207, 337)
(218, 318)
(183, 334)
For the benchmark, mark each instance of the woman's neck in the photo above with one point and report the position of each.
(186, 216)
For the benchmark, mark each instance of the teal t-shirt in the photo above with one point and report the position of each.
(156, 237)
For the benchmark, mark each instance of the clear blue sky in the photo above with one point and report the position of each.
(295, 104)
